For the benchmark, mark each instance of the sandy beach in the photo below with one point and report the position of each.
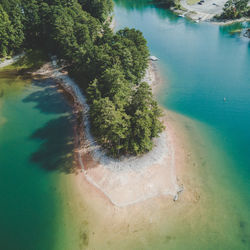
(107, 223)
(132, 202)
(141, 211)
(128, 180)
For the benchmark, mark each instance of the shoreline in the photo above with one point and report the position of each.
(206, 12)
(150, 175)
(142, 219)
(228, 22)
(12, 60)
(96, 216)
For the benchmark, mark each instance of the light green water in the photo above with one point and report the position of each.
(36, 144)
(200, 64)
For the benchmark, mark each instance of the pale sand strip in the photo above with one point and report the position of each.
(11, 61)
(131, 179)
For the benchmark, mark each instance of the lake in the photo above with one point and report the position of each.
(205, 85)
(206, 78)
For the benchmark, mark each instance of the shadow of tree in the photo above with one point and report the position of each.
(57, 149)
(48, 100)
(56, 152)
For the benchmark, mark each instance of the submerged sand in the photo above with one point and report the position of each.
(92, 221)
(143, 178)
(106, 226)
(128, 180)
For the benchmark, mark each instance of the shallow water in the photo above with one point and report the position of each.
(201, 64)
(36, 143)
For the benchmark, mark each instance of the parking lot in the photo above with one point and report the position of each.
(210, 7)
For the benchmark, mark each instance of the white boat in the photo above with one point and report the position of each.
(153, 58)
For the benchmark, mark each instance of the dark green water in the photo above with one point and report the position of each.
(36, 143)
(201, 64)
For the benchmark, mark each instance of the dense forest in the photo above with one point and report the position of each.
(234, 9)
(108, 66)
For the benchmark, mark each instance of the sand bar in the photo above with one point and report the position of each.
(128, 180)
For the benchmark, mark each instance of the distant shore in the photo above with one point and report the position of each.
(227, 22)
(206, 12)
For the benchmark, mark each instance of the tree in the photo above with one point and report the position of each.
(134, 53)
(109, 125)
(11, 27)
(113, 84)
(5, 32)
(99, 9)
(235, 9)
(145, 122)
(108, 66)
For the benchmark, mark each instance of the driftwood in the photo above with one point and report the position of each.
(181, 189)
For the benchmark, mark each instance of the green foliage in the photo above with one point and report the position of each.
(74, 32)
(165, 3)
(32, 60)
(99, 9)
(124, 119)
(110, 125)
(5, 25)
(133, 51)
(145, 124)
(11, 27)
(234, 9)
(108, 66)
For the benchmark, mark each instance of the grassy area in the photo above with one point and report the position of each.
(191, 2)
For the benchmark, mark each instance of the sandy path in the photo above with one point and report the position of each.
(206, 11)
(11, 61)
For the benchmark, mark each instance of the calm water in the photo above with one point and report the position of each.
(201, 64)
(36, 138)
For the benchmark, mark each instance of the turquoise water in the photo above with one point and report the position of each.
(36, 143)
(202, 64)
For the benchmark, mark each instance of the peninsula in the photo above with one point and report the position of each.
(123, 145)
